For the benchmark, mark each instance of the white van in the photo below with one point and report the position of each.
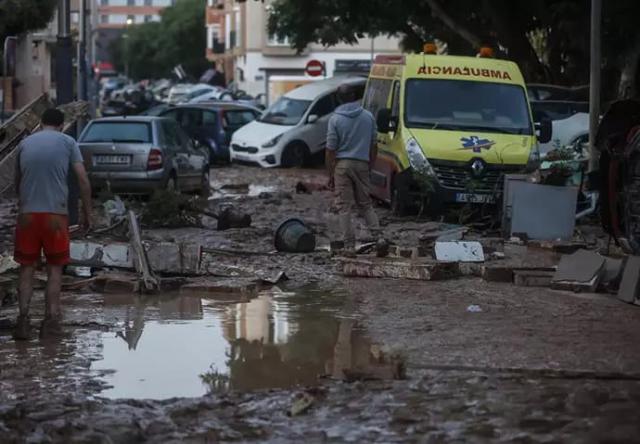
(293, 128)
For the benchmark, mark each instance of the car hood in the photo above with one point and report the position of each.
(258, 133)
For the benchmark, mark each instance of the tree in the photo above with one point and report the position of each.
(20, 16)
(153, 49)
(548, 38)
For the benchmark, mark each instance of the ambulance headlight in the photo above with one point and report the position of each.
(417, 159)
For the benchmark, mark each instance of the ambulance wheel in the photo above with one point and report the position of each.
(399, 204)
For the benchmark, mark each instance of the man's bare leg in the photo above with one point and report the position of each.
(52, 296)
(25, 292)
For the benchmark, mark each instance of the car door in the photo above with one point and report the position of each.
(178, 152)
(314, 134)
(192, 161)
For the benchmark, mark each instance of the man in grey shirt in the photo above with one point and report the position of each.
(351, 150)
(42, 169)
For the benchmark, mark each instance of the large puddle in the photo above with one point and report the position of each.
(186, 346)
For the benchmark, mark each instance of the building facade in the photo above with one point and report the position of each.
(260, 63)
(110, 19)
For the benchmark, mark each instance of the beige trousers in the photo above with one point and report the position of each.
(353, 188)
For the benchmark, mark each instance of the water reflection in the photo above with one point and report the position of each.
(183, 346)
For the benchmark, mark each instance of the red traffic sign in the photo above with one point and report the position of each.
(314, 68)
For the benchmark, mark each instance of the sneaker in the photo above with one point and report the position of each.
(22, 331)
(51, 328)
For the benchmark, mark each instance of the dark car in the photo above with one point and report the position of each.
(141, 154)
(213, 124)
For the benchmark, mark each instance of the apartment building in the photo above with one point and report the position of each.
(259, 63)
(111, 18)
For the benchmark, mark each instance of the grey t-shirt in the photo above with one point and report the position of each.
(44, 161)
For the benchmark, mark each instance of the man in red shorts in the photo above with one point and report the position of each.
(42, 170)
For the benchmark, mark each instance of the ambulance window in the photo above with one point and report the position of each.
(377, 95)
(395, 104)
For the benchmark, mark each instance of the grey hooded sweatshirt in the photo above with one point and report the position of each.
(352, 132)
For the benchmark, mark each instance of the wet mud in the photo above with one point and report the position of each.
(321, 358)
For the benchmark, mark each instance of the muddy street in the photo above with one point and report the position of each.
(320, 357)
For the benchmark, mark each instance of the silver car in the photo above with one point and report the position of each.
(140, 154)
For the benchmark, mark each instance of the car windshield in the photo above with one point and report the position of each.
(467, 106)
(109, 132)
(238, 118)
(286, 111)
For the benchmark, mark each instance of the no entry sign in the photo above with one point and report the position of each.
(314, 68)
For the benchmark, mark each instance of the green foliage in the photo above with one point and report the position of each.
(153, 49)
(548, 38)
(19, 16)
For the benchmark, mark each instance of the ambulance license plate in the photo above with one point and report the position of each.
(474, 198)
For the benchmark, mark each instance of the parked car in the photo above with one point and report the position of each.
(543, 91)
(294, 128)
(141, 154)
(212, 124)
(569, 120)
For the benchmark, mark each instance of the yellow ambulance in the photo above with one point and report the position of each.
(451, 124)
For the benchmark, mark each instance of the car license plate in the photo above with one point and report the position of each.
(112, 159)
(474, 198)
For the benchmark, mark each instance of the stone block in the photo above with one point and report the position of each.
(399, 269)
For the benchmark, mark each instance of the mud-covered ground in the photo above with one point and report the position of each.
(533, 365)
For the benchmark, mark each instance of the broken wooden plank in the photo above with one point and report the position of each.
(397, 268)
(149, 281)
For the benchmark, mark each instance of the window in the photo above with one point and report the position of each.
(286, 111)
(278, 40)
(104, 2)
(191, 119)
(324, 106)
(465, 105)
(377, 95)
(131, 2)
(171, 135)
(104, 19)
(395, 102)
(131, 19)
(173, 114)
(238, 119)
(148, 2)
(148, 18)
(209, 118)
(108, 132)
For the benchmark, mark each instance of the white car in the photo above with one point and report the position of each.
(293, 128)
(569, 120)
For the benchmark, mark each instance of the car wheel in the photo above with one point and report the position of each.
(205, 183)
(295, 155)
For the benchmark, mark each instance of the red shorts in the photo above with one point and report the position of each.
(42, 231)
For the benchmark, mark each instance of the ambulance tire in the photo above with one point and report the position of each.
(399, 204)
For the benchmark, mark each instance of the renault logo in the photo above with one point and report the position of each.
(477, 167)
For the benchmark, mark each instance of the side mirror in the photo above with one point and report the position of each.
(384, 121)
(313, 118)
(544, 130)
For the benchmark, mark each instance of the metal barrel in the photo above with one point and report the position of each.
(293, 236)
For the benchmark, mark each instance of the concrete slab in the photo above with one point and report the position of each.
(580, 271)
(95, 254)
(398, 268)
(459, 252)
(532, 278)
(630, 285)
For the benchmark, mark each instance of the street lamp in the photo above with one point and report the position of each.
(127, 46)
